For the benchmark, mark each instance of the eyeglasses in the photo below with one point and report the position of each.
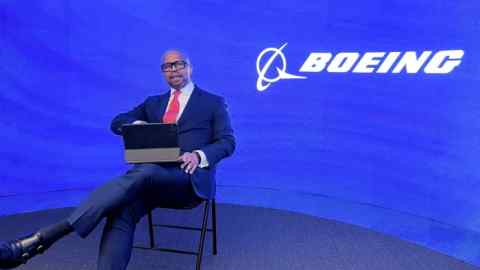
(177, 65)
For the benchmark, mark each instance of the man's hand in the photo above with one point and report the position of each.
(139, 122)
(190, 162)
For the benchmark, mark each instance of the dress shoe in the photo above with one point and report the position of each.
(17, 252)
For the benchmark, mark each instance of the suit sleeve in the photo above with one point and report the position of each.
(223, 142)
(137, 113)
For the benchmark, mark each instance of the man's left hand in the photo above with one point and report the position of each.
(190, 162)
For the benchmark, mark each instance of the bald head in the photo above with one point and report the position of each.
(175, 52)
(176, 68)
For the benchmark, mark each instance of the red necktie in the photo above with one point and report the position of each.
(170, 116)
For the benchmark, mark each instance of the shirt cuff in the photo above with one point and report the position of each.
(203, 159)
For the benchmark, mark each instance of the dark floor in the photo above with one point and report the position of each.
(249, 238)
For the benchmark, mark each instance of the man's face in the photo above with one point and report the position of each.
(176, 69)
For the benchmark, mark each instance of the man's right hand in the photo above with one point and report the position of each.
(139, 122)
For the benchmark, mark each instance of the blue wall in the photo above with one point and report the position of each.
(403, 142)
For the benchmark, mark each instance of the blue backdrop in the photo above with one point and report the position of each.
(398, 143)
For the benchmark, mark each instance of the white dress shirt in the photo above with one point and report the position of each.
(183, 98)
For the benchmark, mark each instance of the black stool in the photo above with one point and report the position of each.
(203, 230)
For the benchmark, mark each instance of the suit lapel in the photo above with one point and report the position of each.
(192, 103)
(162, 106)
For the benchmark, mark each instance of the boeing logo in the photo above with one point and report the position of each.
(440, 62)
(263, 82)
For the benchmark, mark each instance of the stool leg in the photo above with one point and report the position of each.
(150, 230)
(214, 226)
(202, 235)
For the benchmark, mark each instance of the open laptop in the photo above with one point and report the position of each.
(149, 143)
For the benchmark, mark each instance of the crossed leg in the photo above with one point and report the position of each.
(123, 200)
(118, 233)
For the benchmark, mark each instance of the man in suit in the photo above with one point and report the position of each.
(205, 138)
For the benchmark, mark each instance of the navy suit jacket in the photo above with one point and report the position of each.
(204, 125)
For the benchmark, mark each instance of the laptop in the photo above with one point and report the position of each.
(149, 143)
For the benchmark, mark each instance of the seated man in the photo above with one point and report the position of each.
(205, 138)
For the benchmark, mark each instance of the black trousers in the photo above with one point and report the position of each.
(124, 200)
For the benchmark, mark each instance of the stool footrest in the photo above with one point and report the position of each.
(168, 250)
(203, 231)
(180, 227)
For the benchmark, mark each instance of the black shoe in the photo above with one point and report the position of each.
(15, 253)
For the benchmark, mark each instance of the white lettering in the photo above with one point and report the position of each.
(388, 62)
(444, 62)
(411, 63)
(272, 63)
(343, 62)
(316, 62)
(368, 62)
